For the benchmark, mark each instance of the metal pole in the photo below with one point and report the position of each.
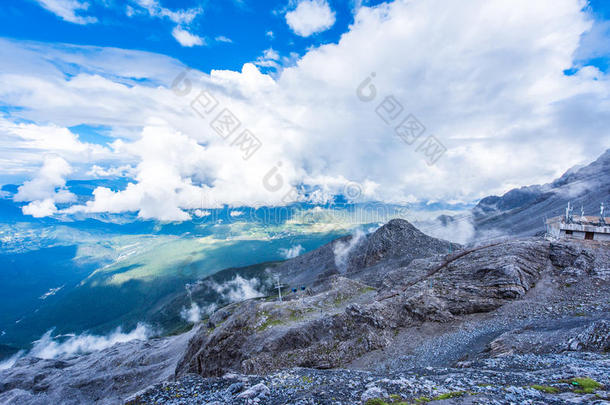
(279, 287)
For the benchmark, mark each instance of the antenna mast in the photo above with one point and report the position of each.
(279, 287)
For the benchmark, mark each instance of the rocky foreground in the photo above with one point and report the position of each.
(519, 321)
(514, 379)
(401, 318)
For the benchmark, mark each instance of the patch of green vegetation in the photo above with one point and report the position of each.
(484, 385)
(448, 395)
(306, 379)
(580, 314)
(376, 401)
(396, 400)
(297, 315)
(339, 299)
(212, 328)
(583, 385)
(545, 388)
(270, 322)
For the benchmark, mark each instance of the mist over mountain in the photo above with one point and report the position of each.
(523, 211)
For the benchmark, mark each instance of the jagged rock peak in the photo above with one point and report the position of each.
(399, 238)
(399, 226)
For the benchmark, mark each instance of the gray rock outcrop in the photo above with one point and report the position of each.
(345, 318)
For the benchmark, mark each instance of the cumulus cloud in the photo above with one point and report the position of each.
(292, 252)
(46, 188)
(40, 208)
(185, 38)
(494, 94)
(162, 189)
(27, 144)
(68, 9)
(50, 177)
(310, 17)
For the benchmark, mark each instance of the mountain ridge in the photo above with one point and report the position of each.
(523, 211)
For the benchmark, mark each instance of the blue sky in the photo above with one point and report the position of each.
(248, 24)
(504, 94)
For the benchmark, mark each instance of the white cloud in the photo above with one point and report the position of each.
(310, 17)
(460, 230)
(40, 208)
(162, 189)
(46, 188)
(185, 38)
(129, 11)
(121, 171)
(49, 348)
(238, 289)
(154, 9)
(195, 313)
(29, 143)
(342, 250)
(202, 213)
(292, 252)
(182, 18)
(495, 94)
(271, 54)
(67, 10)
(270, 58)
(10, 362)
(222, 38)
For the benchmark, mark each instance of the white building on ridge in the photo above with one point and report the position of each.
(581, 227)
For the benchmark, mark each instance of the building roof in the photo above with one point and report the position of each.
(594, 220)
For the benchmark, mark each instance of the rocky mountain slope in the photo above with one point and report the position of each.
(392, 317)
(342, 319)
(522, 211)
(105, 377)
(397, 243)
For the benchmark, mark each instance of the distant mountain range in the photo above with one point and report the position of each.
(522, 211)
